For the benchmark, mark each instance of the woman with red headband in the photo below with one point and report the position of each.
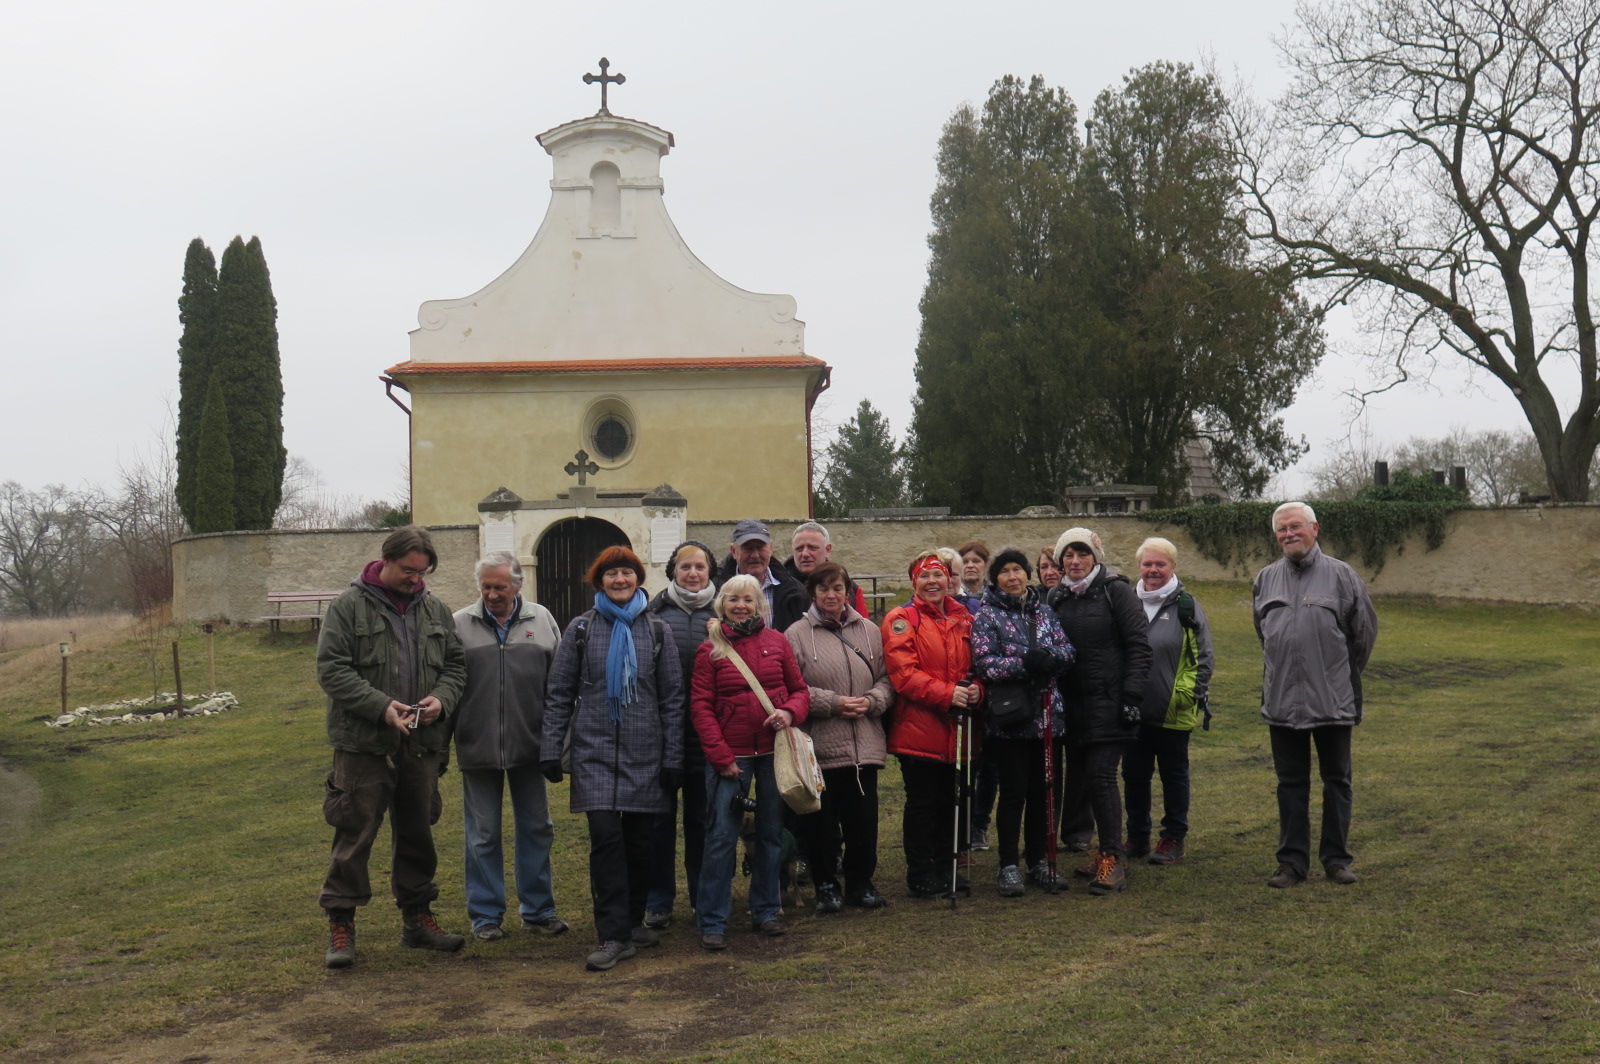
(927, 644)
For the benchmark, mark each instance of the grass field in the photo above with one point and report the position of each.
(161, 884)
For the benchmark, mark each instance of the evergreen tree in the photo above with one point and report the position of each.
(861, 467)
(246, 357)
(1204, 341)
(994, 419)
(197, 311)
(214, 488)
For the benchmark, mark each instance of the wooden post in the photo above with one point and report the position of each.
(64, 652)
(211, 650)
(177, 673)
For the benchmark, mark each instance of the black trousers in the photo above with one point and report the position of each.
(929, 825)
(849, 812)
(1291, 756)
(619, 869)
(1020, 765)
(1090, 789)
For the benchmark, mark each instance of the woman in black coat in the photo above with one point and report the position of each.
(1103, 619)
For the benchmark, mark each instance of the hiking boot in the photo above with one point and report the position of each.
(714, 942)
(488, 933)
(657, 921)
(980, 838)
(866, 897)
(1285, 877)
(1009, 882)
(1167, 851)
(773, 928)
(964, 860)
(1340, 874)
(645, 937)
(1088, 869)
(341, 939)
(550, 925)
(1110, 874)
(828, 899)
(1135, 848)
(608, 954)
(422, 931)
(1041, 876)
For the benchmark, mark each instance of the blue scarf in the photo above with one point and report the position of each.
(622, 664)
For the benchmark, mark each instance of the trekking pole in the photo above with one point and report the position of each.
(1052, 885)
(955, 823)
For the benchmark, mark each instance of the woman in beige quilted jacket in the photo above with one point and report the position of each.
(841, 657)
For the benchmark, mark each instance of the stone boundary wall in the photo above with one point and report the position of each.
(226, 575)
(1534, 554)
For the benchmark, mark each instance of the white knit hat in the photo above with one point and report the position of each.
(1085, 537)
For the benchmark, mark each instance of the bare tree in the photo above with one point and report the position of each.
(141, 519)
(46, 545)
(1436, 165)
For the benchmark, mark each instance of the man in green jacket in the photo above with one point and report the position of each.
(392, 666)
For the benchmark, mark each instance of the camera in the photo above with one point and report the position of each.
(743, 803)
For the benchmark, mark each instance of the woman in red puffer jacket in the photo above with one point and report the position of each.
(738, 733)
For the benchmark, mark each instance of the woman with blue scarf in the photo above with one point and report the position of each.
(616, 693)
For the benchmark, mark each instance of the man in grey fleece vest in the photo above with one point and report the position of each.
(1317, 628)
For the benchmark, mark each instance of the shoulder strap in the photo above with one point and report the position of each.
(657, 626)
(853, 648)
(749, 678)
(1186, 611)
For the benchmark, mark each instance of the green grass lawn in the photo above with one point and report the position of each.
(161, 883)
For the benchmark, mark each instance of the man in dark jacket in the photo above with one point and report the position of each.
(1317, 628)
(392, 667)
(509, 642)
(751, 553)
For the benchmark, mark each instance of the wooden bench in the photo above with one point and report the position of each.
(280, 599)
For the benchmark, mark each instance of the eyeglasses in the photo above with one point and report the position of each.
(413, 572)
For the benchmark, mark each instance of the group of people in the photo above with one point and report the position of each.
(1013, 689)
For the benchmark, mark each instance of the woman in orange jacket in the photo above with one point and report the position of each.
(927, 644)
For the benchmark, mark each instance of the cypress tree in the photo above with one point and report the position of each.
(213, 480)
(197, 312)
(251, 377)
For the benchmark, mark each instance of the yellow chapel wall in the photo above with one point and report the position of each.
(732, 442)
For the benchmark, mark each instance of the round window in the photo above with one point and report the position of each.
(612, 437)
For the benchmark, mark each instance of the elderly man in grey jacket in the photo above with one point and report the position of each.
(1317, 628)
(509, 644)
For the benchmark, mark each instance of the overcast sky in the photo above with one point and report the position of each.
(384, 152)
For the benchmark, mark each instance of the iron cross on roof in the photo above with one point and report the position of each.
(604, 79)
(581, 468)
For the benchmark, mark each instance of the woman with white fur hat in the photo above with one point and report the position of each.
(1103, 619)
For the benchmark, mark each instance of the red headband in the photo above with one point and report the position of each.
(930, 562)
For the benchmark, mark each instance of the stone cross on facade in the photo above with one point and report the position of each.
(604, 79)
(581, 468)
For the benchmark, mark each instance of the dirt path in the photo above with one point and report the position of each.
(662, 1005)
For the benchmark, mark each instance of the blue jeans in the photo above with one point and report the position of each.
(722, 845)
(486, 870)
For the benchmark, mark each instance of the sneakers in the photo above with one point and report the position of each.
(980, 838)
(488, 933)
(713, 942)
(1340, 874)
(1110, 874)
(1167, 851)
(550, 925)
(1134, 849)
(1009, 882)
(772, 928)
(341, 939)
(422, 931)
(645, 937)
(657, 921)
(1285, 877)
(865, 897)
(1041, 876)
(608, 954)
(828, 899)
(964, 860)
